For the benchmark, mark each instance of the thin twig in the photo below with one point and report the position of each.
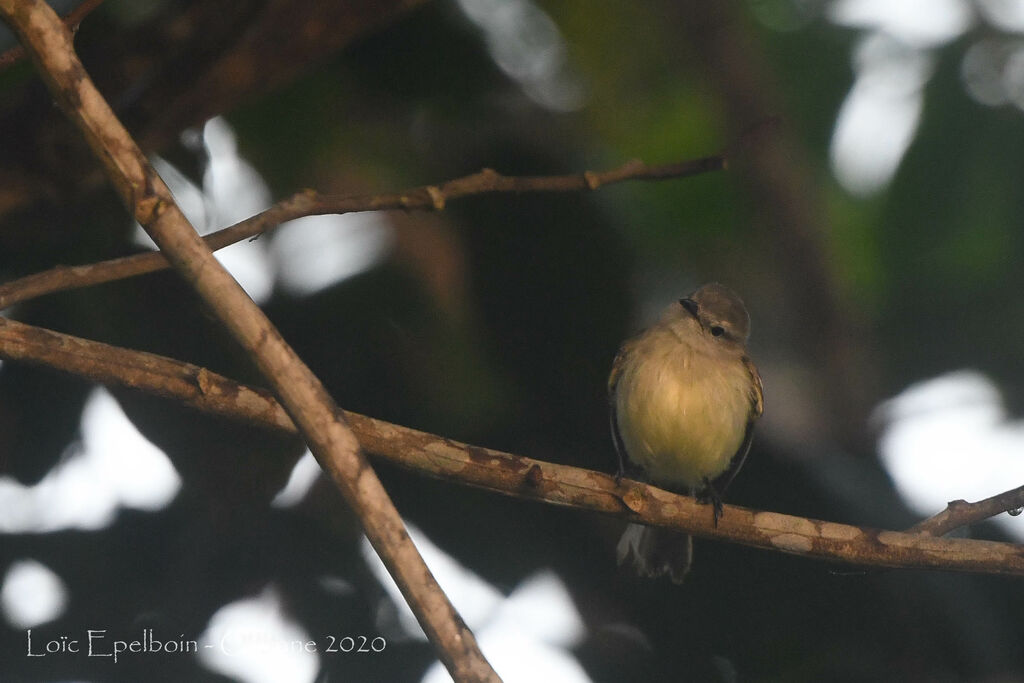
(960, 513)
(310, 203)
(509, 474)
(72, 19)
(319, 420)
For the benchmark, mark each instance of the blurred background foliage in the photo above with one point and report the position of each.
(875, 232)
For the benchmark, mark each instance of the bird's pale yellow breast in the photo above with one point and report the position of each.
(682, 412)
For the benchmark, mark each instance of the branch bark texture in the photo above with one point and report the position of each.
(518, 476)
(960, 513)
(311, 203)
(49, 44)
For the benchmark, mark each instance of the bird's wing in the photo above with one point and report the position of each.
(723, 480)
(613, 381)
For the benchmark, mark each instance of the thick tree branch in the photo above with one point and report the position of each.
(322, 425)
(310, 203)
(960, 513)
(514, 475)
(72, 19)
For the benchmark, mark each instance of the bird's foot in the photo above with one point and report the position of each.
(710, 495)
(619, 474)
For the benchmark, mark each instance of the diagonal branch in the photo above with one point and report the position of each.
(72, 19)
(960, 513)
(321, 423)
(310, 203)
(510, 474)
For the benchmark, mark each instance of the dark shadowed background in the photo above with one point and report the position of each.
(875, 231)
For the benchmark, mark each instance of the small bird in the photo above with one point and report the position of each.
(683, 398)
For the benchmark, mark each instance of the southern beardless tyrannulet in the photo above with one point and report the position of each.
(683, 399)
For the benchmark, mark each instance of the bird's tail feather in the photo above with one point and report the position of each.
(651, 552)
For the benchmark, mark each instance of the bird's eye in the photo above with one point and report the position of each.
(717, 330)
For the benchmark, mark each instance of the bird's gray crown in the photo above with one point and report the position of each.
(717, 306)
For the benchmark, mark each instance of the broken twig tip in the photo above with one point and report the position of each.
(436, 197)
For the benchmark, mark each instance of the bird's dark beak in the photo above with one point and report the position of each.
(690, 305)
